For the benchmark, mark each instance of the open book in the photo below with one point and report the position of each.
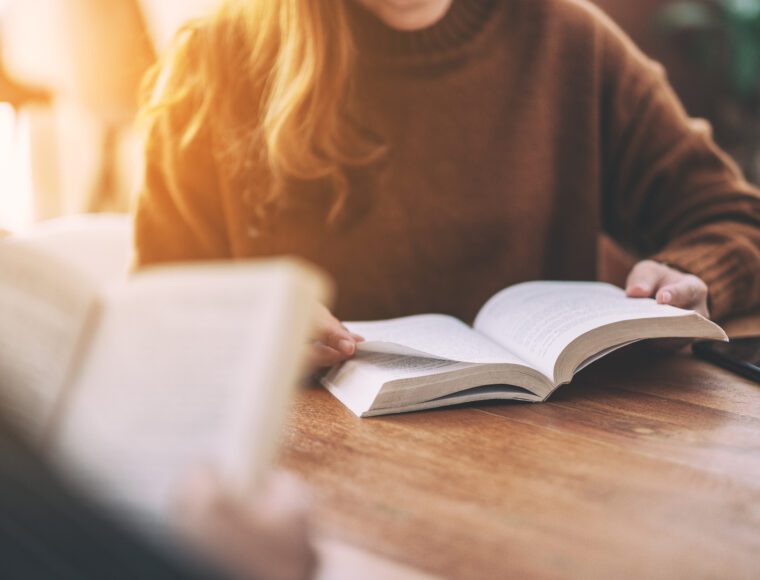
(526, 341)
(129, 385)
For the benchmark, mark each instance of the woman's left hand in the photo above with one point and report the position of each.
(650, 279)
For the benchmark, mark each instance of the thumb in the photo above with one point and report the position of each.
(644, 279)
(331, 333)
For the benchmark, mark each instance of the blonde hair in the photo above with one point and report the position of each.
(291, 63)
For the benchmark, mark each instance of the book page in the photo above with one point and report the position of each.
(179, 360)
(45, 309)
(98, 245)
(375, 383)
(538, 320)
(357, 382)
(432, 336)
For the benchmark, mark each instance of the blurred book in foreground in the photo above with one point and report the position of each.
(129, 384)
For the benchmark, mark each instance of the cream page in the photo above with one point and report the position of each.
(156, 396)
(432, 336)
(358, 381)
(44, 309)
(538, 320)
(98, 245)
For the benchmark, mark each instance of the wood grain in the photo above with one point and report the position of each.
(646, 466)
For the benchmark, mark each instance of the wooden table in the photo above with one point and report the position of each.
(646, 466)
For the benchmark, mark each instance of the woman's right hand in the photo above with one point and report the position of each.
(333, 342)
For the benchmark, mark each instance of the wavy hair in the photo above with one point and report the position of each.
(271, 79)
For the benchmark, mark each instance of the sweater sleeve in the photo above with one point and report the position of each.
(180, 213)
(670, 192)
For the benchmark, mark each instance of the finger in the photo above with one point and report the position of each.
(205, 503)
(200, 498)
(356, 337)
(688, 292)
(645, 278)
(344, 344)
(322, 355)
(264, 537)
(334, 335)
(284, 493)
(326, 323)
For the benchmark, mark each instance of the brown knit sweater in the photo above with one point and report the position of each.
(517, 130)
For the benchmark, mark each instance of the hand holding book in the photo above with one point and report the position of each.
(333, 342)
(263, 536)
(127, 386)
(526, 341)
(650, 279)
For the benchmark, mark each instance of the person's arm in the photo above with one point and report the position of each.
(670, 193)
(184, 221)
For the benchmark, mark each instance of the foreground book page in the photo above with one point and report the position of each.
(539, 320)
(188, 366)
(45, 310)
(98, 245)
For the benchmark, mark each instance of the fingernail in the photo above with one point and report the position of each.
(666, 297)
(347, 346)
(644, 288)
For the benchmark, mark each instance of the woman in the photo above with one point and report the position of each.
(428, 153)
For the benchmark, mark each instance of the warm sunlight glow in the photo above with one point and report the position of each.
(165, 17)
(16, 203)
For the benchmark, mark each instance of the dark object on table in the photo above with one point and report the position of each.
(741, 355)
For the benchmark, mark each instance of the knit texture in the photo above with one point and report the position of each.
(517, 131)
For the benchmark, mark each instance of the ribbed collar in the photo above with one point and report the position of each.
(377, 41)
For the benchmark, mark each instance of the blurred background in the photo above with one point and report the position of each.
(70, 72)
